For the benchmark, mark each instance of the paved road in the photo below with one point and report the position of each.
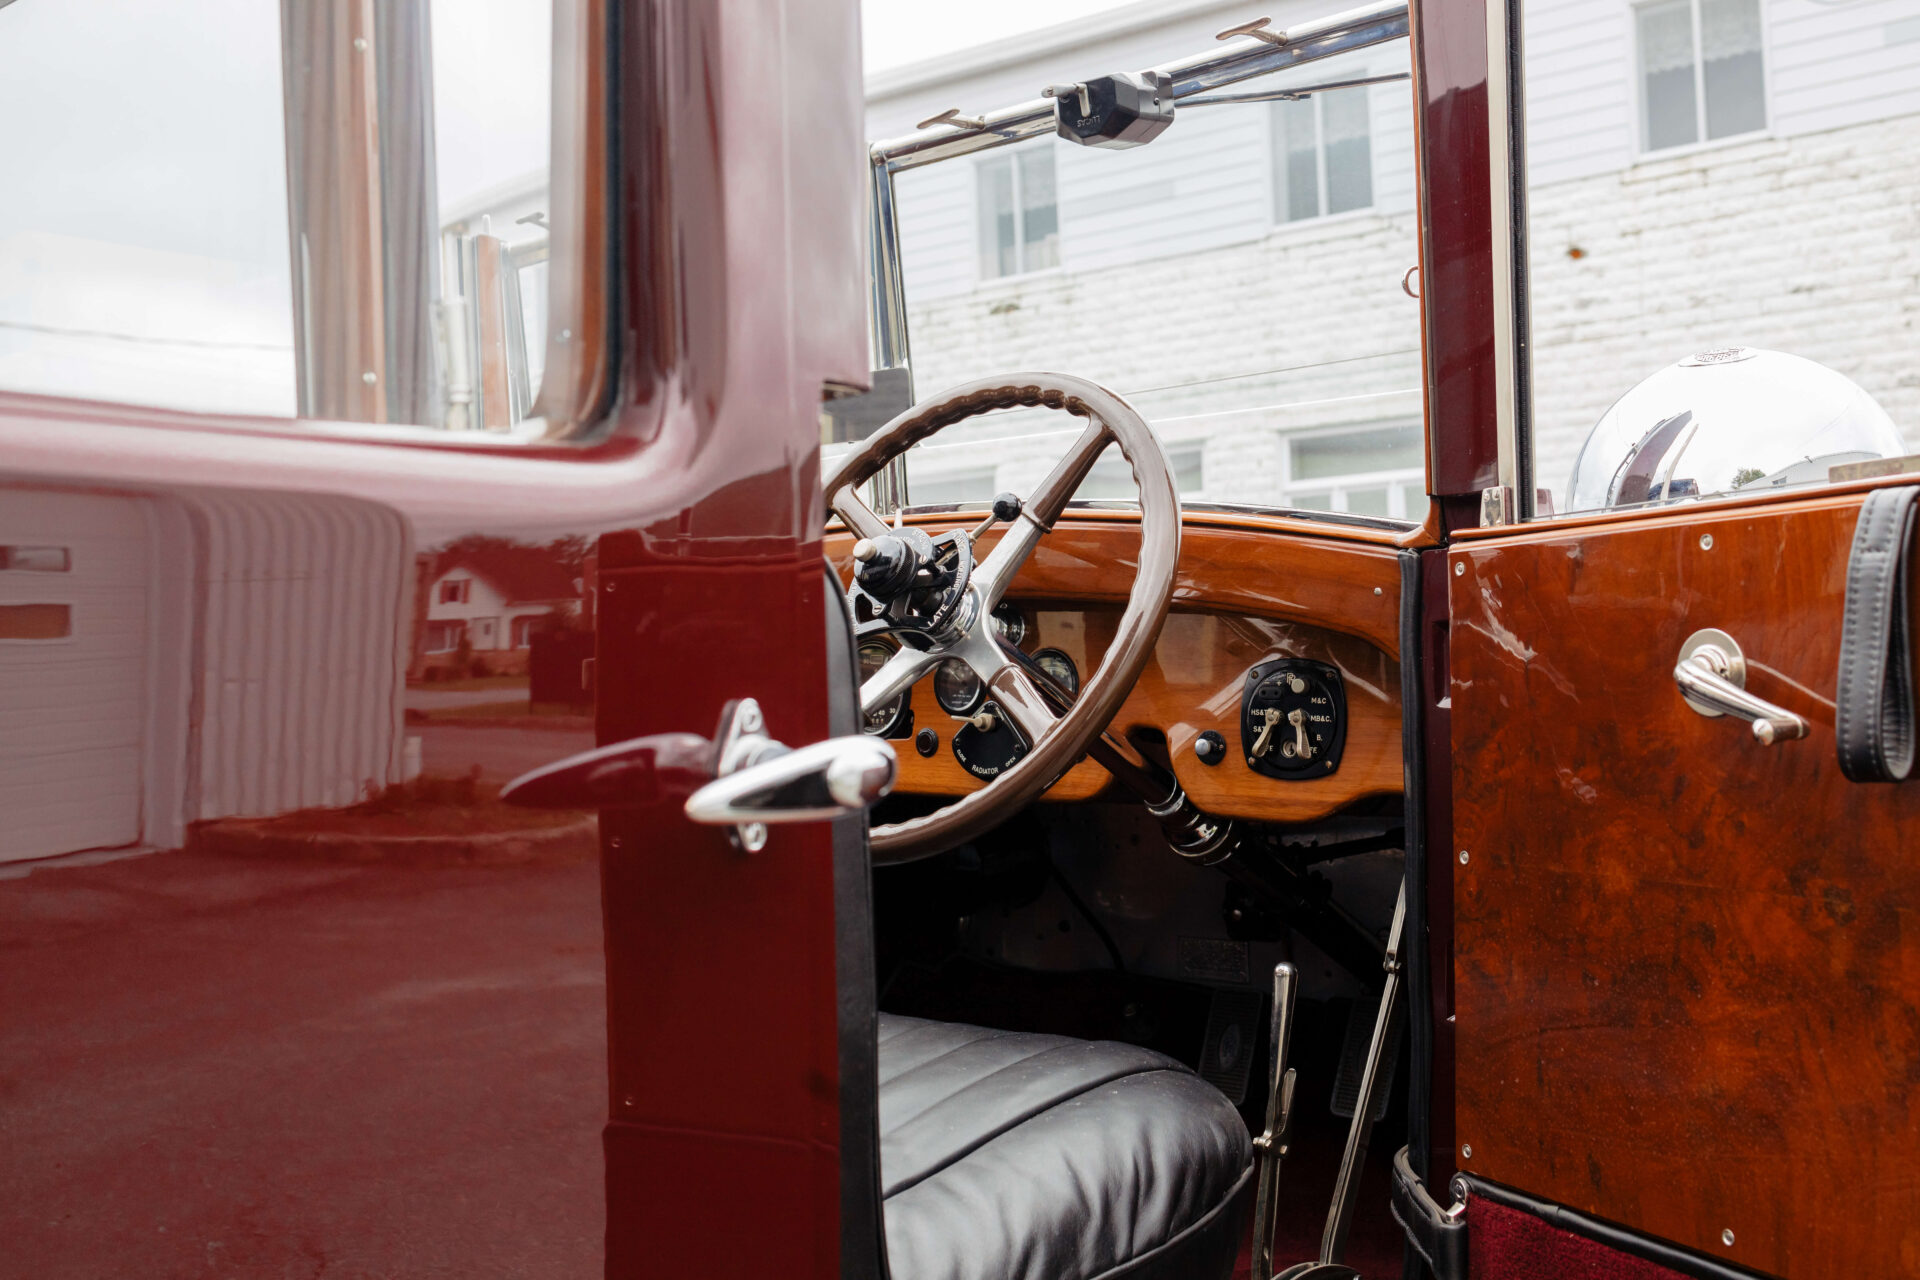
(442, 699)
(214, 1067)
(503, 753)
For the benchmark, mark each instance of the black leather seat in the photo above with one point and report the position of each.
(1006, 1156)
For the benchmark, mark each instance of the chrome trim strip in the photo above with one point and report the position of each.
(1240, 59)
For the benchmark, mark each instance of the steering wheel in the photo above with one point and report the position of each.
(932, 595)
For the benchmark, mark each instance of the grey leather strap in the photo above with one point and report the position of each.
(1873, 722)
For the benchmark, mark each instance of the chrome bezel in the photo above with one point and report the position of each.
(1011, 623)
(902, 705)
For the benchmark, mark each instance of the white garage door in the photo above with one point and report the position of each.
(74, 577)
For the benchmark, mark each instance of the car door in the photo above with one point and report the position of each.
(1683, 966)
(303, 995)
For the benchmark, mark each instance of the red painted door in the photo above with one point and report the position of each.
(723, 1147)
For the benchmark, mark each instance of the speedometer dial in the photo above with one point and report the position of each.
(893, 719)
(956, 687)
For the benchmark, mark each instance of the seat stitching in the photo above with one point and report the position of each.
(1015, 1121)
(959, 1048)
(943, 1099)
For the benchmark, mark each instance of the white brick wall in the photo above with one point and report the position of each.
(1808, 244)
(1303, 296)
(1806, 240)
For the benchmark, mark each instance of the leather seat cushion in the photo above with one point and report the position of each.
(1010, 1156)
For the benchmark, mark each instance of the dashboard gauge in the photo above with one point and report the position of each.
(956, 687)
(1060, 667)
(1293, 718)
(894, 720)
(987, 753)
(1012, 624)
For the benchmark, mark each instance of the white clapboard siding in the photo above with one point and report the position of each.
(1834, 65)
(303, 643)
(939, 240)
(1579, 89)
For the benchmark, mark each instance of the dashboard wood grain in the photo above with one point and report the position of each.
(1241, 598)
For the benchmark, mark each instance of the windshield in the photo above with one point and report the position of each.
(1242, 280)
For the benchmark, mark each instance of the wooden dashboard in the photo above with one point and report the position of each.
(1242, 596)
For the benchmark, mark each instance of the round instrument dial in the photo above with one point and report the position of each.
(1058, 665)
(882, 721)
(956, 687)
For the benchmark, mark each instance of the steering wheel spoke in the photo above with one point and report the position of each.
(894, 678)
(995, 573)
(854, 512)
(1014, 691)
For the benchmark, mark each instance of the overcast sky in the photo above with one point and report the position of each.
(899, 32)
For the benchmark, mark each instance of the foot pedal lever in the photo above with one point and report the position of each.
(1271, 1146)
(1346, 1189)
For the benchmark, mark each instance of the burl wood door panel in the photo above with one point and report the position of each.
(1687, 966)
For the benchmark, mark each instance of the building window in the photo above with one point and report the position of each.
(1377, 471)
(1112, 476)
(523, 631)
(1322, 154)
(1019, 214)
(445, 637)
(1701, 75)
(456, 591)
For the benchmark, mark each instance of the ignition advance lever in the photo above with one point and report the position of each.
(1006, 509)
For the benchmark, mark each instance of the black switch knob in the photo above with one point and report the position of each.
(1006, 507)
(926, 742)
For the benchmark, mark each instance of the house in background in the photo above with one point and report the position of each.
(485, 599)
(1701, 173)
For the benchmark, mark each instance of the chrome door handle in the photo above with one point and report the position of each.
(758, 781)
(744, 780)
(1712, 677)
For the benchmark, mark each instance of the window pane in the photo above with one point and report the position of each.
(1296, 161)
(1730, 54)
(1344, 116)
(228, 254)
(1367, 502)
(1358, 452)
(996, 218)
(1039, 216)
(1666, 75)
(1112, 479)
(1256, 339)
(953, 486)
(1312, 501)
